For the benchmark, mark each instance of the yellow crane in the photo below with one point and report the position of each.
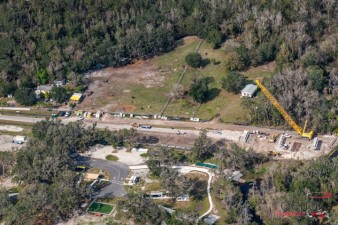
(282, 111)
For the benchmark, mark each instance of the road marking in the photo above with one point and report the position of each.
(116, 182)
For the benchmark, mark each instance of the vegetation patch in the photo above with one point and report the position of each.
(112, 158)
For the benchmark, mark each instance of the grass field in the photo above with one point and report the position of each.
(144, 87)
(223, 104)
(100, 208)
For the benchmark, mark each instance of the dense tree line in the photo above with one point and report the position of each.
(305, 95)
(43, 40)
(50, 190)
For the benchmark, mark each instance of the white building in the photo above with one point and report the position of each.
(249, 90)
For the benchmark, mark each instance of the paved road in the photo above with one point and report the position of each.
(25, 119)
(118, 172)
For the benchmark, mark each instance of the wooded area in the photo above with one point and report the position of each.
(44, 40)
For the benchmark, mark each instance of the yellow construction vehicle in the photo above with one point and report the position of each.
(135, 125)
(282, 111)
(273, 137)
(273, 153)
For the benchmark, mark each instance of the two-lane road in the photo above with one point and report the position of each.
(118, 172)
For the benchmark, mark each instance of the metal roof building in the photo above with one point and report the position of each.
(249, 90)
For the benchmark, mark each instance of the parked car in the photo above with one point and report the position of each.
(68, 113)
(62, 113)
(80, 118)
(54, 115)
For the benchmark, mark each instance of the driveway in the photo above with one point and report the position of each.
(118, 172)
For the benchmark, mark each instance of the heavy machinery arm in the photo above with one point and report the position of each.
(282, 111)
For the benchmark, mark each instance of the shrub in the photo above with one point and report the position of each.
(25, 96)
(194, 60)
(111, 158)
(199, 90)
(233, 82)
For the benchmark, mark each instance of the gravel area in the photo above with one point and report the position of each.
(6, 143)
(11, 128)
(129, 158)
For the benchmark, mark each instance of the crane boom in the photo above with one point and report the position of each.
(282, 111)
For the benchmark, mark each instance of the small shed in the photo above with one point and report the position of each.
(59, 83)
(43, 89)
(249, 90)
(76, 98)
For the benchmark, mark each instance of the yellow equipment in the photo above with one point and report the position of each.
(135, 125)
(273, 153)
(282, 111)
(273, 137)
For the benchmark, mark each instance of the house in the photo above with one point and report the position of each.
(76, 98)
(249, 90)
(211, 219)
(43, 89)
(59, 83)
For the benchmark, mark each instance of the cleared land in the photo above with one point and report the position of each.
(143, 87)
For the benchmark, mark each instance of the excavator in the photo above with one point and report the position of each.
(281, 110)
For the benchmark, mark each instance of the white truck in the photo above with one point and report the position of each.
(19, 139)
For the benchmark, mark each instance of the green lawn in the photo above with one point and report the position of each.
(151, 100)
(136, 98)
(223, 104)
(100, 207)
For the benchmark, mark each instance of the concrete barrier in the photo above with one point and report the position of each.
(15, 108)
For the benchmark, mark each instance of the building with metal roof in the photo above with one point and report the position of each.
(249, 90)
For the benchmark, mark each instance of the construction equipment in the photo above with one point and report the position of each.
(135, 125)
(273, 137)
(273, 153)
(282, 111)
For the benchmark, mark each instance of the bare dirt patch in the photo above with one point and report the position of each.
(108, 84)
(6, 143)
(142, 71)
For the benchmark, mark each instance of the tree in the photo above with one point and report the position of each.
(7, 88)
(233, 61)
(233, 82)
(59, 94)
(129, 137)
(214, 38)
(202, 148)
(25, 96)
(143, 210)
(194, 59)
(199, 90)
(42, 75)
(174, 183)
(317, 78)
